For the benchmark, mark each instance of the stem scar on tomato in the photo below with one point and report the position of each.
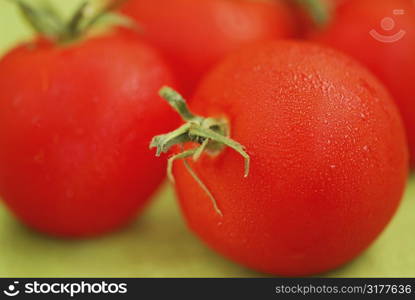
(212, 135)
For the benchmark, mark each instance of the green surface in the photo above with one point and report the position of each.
(158, 244)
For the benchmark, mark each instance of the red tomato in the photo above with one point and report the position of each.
(75, 123)
(328, 153)
(195, 34)
(381, 35)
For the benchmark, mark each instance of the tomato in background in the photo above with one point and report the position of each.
(381, 35)
(75, 123)
(195, 34)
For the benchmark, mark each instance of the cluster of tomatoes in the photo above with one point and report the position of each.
(312, 111)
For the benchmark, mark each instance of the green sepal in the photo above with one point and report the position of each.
(89, 16)
(212, 135)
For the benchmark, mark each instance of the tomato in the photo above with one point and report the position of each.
(195, 34)
(328, 154)
(371, 31)
(75, 123)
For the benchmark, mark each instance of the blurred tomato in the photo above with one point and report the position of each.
(381, 35)
(75, 124)
(195, 34)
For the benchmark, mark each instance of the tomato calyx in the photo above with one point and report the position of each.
(47, 22)
(212, 135)
(317, 9)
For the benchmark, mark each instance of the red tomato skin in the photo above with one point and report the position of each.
(76, 122)
(196, 34)
(393, 63)
(329, 160)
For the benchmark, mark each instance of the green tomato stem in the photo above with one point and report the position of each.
(211, 134)
(318, 10)
(45, 20)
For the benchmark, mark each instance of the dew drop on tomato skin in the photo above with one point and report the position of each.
(393, 63)
(324, 181)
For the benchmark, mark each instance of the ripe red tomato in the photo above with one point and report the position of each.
(195, 34)
(75, 123)
(328, 153)
(381, 35)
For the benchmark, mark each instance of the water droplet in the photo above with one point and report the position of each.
(16, 101)
(258, 68)
(69, 194)
(79, 131)
(39, 158)
(36, 121)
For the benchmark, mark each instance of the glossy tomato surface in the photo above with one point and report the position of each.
(381, 35)
(329, 159)
(75, 124)
(195, 34)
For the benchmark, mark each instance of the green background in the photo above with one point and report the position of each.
(158, 244)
